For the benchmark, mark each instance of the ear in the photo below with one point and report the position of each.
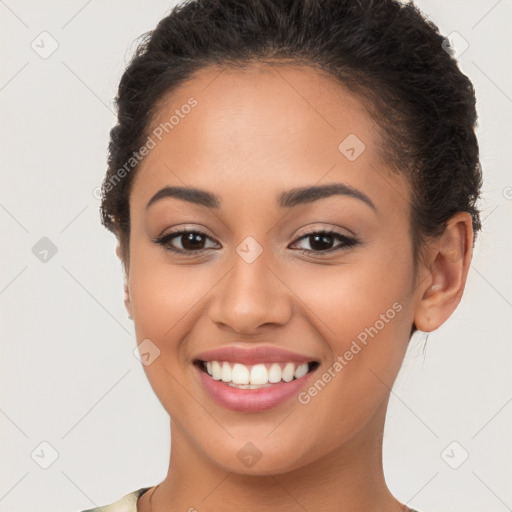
(448, 260)
(127, 302)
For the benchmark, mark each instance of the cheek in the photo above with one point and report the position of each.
(163, 295)
(345, 301)
(364, 313)
(166, 300)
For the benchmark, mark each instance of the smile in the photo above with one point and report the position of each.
(255, 376)
(253, 388)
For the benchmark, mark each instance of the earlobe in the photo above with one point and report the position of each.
(450, 257)
(127, 302)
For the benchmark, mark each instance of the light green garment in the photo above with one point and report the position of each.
(128, 503)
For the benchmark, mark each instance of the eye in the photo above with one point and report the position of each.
(322, 242)
(191, 240)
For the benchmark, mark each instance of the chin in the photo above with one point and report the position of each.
(260, 455)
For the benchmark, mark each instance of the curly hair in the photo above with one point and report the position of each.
(384, 51)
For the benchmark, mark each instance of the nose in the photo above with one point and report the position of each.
(251, 296)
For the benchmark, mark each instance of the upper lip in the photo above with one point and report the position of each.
(253, 355)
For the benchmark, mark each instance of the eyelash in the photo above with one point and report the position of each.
(346, 242)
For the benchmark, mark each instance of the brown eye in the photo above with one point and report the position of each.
(321, 242)
(191, 241)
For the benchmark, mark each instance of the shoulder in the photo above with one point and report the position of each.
(128, 503)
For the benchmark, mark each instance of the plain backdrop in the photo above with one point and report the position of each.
(80, 425)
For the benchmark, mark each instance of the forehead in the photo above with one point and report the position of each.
(265, 127)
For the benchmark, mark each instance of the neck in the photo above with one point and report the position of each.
(348, 478)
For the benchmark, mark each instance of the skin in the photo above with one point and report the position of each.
(253, 135)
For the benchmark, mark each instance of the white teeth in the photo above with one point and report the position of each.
(216, 369)
(240, 374)
(255, 376)
(288, 371)
(259, 374)
(274, 373)
(301, 370)
(226, 372)
(249, 386)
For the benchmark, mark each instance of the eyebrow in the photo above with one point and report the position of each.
(190, 194)
(288, 199)
(306, 195)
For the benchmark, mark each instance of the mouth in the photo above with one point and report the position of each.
(253, 387)
(255, 376)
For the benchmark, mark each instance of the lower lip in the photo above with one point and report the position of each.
(252, 400)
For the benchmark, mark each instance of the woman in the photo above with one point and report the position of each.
(293, 186)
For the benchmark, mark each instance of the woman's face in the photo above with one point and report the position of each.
(252, 279)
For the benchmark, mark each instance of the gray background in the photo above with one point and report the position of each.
(68, 373)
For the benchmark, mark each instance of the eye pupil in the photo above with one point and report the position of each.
(194, 239)
(321, 239)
